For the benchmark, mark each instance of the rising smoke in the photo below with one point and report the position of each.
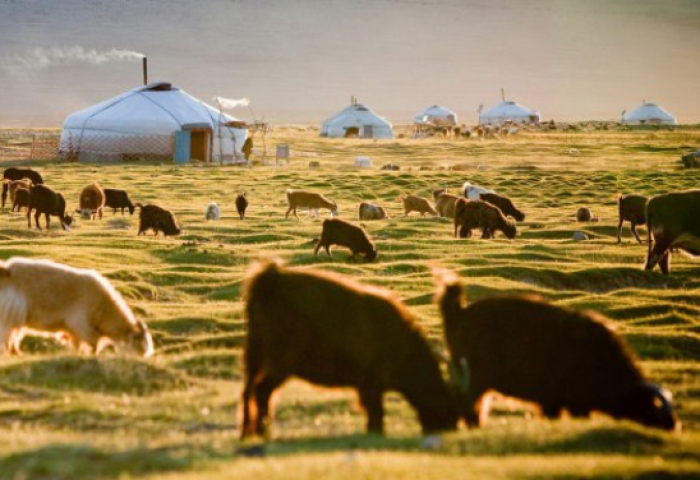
(36, 59)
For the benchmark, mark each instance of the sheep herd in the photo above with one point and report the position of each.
(520, 346)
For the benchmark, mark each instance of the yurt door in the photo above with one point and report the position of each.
(367, 131)
(182, 146)
(200, 140)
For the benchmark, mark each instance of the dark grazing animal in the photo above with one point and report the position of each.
(158, 219)
(584, 214)
(371, 211)
(470, 214)
(241, 205)
(337, 231)
(344, 335)
(21, 199)
(504, 204)
(118, 200)
(632, 208)
(18, 173)
(558, 358)
(672, 222)
(49, 202)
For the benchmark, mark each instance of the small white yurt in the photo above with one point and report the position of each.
(436, 115)
(357, 120)
(154, 122)
(649, 114)
(509, 112)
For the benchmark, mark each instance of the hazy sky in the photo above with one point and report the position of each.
(300, 61)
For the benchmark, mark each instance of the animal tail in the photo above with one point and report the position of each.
(450, 297)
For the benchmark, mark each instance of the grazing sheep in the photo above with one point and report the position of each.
(241, 205)
(584, 214)
(473, 192)
(18, 173)
(504, 204)
(45, 200)
(13, 185)
(48, 297)
(672, 222)
(92, 201)
(445, 203)
(212, 211)
(370, 211)
(471, 214)
(21, 199)
(414, 203)
(337, 231)
(311, 200)
(118, 199)
(344, 335)
(632, 208)
(525, 348)
(158, 219)
(391, 167)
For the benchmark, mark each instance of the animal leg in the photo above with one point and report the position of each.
(328, 250)
(36, 219)
(263, 392)
(636, 235)
(286, 215)
(318, 246)
(665, 262)
(48, 221)
(371, 401)
(619, 232)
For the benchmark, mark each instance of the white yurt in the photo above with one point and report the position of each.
(357, 120)
(509, 112)
(436, 115)
(154, 122)
(649, 114)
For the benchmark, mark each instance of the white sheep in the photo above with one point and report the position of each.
(71, 303)
(212, 212)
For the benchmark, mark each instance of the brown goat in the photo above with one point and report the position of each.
(337, 231)
(344, 335)
(311, 200)
(584, 214)
(632, 208)
(414, 203)
(18, 173)
(13, 185)
(21, 199)
(560, 359)
(158, 219)
(445, 203)
(470, 214)
(92, 201)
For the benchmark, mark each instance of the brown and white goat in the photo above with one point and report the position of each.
(308, 200)
(345, 335)
(92, 201)
(48, 297)
(370, 211)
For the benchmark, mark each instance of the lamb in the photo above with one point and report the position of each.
(473, 192)
(241, 205)
(504, 204)
(21, 199)
(370, 211)
(370, 344)
(414, 203)
(212, 211)
(13, 185)
(525, 348)
(48, 297)
(445, 203)
(118, 199)
(92, 201)
(337, 231)
(632, 208)
(18, 173)
(310, 200)
(45, 200)
(158, 219)
(471, 214)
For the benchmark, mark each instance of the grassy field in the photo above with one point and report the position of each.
(64, 416)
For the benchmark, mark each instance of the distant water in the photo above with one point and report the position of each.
(300, 61)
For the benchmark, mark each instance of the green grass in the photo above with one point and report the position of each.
(63, 416)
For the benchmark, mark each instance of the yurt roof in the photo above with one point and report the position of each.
(434, 111)
(509, 109)
(649, 111)
(357, 113)
(155, 109)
